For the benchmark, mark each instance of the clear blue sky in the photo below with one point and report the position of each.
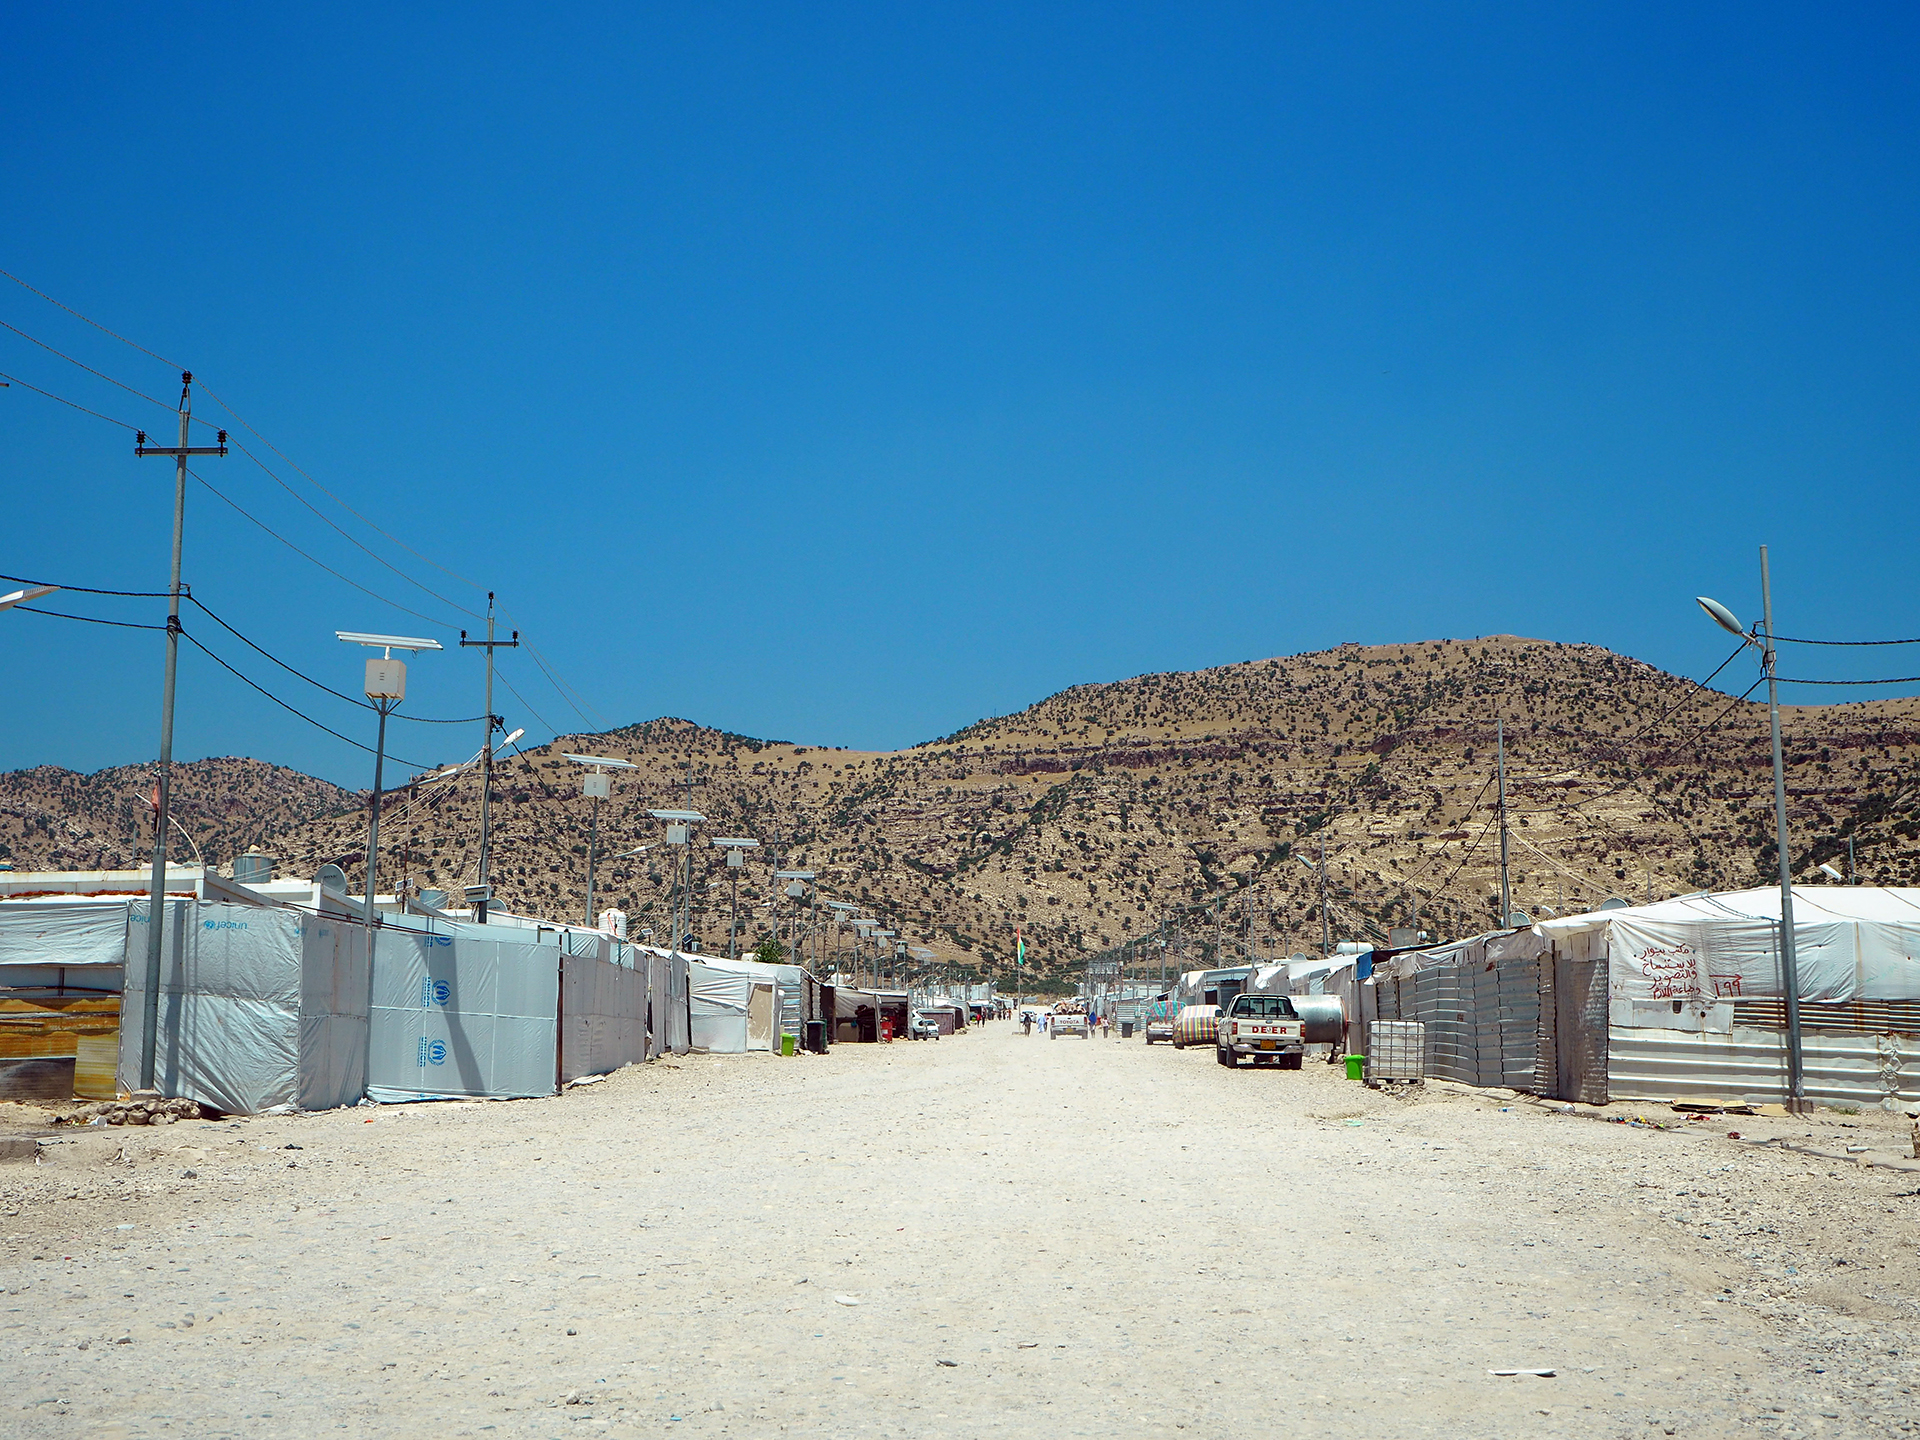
(844, 375)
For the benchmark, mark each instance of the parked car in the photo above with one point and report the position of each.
(1196, 1025)
(1261, 1028)
(1160, 1016)
(921, 1028)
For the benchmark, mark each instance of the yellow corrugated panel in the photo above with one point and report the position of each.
(96, 1058)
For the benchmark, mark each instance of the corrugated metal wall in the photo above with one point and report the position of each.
(1751, 1065)
(1482, 1021)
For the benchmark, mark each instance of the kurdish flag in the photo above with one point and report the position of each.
(1019, 947)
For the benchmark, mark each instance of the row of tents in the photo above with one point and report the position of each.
(1676, 1000)
(269, 1006)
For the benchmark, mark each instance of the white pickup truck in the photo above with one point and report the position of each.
(1263, 1028)
(1071, 1021)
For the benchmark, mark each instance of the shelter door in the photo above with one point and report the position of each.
(760, 1018)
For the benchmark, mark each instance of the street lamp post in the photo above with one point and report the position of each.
(596, 785)
(679, 833)
(796, 890)
(1789, 961)
(736, 862)
(386, 687)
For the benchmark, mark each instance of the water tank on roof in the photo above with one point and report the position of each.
(253, 868)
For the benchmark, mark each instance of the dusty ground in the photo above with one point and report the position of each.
(1043, 1237)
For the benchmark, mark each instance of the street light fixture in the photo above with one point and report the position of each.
(20, 597)
(1761, 638)
(596, 785)
(796, 890)
(386, 687)
(736, 862)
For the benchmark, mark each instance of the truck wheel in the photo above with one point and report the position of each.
(1291, 1062)
(1225, 1057)
(1052, 1034)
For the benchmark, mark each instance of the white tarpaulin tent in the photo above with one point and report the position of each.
(736, 1005)
(1693, 1000)
(1850, 943)
(258, 1008)
(603, 1005)
(462, 1010)
(42, 936)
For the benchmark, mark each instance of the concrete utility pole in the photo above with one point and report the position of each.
(163, 809)
(493, 721)
(1789, 960)
(1326, 920)
(1506, 897)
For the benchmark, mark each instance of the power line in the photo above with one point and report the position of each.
(88, 590)
(550, 729)
(566, 691)
(377, 558)
(372, 594)
(88, 619)
(97, 374)
(291, 710)
(1789, 640)
(1688, 698)
(554, 679)
(16, 380)
(319, 685)
(95, 323)
(1893, 680)
(241, 421)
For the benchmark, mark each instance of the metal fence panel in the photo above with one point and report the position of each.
(1750, 1065)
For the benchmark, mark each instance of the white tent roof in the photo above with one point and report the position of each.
(1851, 943)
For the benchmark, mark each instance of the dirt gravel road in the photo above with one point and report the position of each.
(993, 1234)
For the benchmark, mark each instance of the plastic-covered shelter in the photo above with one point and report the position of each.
(1685, 998)
(260, 1008)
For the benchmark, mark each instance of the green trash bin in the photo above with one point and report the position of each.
(786, 1044)
(1356, 1067)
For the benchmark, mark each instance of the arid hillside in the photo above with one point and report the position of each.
(54, 819)
(1186, 800)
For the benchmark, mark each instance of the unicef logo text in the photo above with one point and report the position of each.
(224, 924)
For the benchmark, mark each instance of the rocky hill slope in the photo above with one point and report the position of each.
(1186, 801)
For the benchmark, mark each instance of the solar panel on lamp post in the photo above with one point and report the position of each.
(1761, 639)
(843, 914)
(736, 862)
(597, 785)
(386, 686)
(796, 890)
(679, 833)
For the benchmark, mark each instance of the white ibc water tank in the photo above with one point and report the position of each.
(614, 922)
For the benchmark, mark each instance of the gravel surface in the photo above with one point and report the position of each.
(992, 1233)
